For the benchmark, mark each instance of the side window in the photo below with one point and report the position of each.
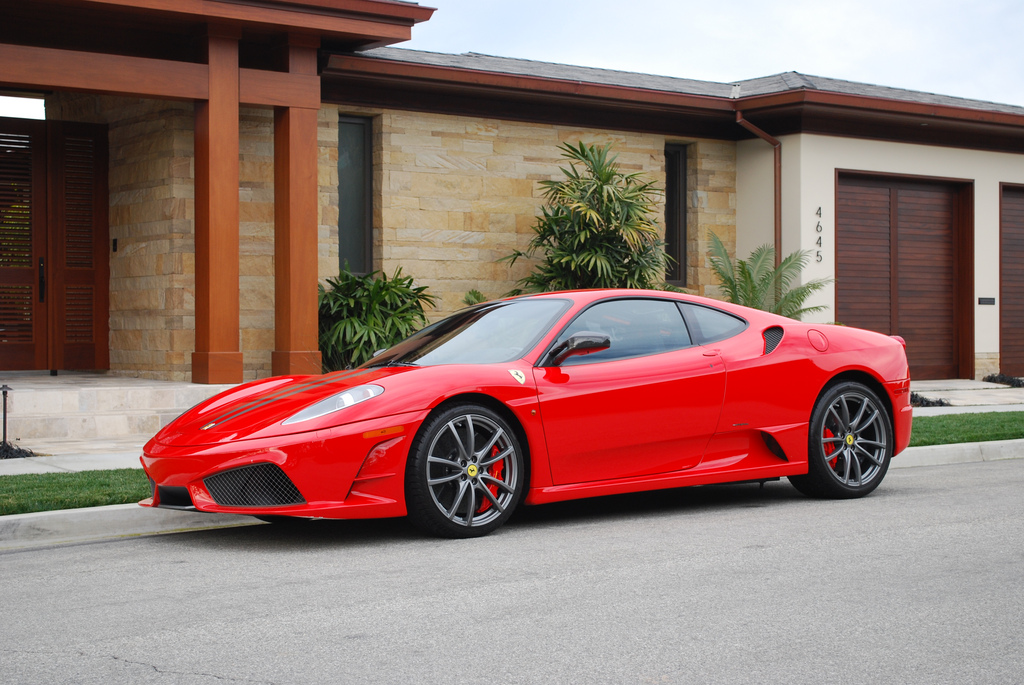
(355, 194)
(711, 325)
(635, 328)
(675, 213)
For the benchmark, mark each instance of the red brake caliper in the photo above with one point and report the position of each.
(497, 470)
(830, 448)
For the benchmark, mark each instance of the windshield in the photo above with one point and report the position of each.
(490, 333)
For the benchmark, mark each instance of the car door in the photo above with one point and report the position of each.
(646, 405)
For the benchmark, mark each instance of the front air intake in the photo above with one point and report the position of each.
(772, 338)
(256, 485)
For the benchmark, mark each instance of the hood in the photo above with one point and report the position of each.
(257, 409)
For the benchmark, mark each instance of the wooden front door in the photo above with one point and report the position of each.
(54, 267)
(902, 268)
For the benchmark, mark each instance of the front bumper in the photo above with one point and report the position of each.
(352, 471)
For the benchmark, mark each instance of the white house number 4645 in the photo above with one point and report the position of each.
(818, 229)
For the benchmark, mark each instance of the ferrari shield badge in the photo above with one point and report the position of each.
(518, 375)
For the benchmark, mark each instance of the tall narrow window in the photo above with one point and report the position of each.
(355, 194)
(675, 213)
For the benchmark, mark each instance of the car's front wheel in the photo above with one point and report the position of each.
(466, 473)
(850, 443)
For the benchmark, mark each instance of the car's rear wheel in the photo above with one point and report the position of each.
(850, 443)
(466, 473)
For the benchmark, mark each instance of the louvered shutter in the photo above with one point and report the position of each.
(23, 322)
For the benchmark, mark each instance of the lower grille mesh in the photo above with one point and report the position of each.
(257, 485)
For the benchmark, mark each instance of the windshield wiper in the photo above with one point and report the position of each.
(393, 362)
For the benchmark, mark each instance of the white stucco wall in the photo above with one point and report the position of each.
(809, 165)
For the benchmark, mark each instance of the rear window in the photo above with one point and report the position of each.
(708, 325)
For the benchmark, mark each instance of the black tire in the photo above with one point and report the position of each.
(849, 443)
(466, 473)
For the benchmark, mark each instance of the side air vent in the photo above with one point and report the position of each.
(773, 446)
(256, 485)
(772, 338)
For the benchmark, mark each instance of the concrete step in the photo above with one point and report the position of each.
(149, 395)
(45, 410)
(88, 424)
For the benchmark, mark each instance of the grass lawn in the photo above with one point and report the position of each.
(947, 429)
(46, 491)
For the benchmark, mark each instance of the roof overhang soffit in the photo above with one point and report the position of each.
(46, 68)
(450, 78)
(780, 113)
(364, 22)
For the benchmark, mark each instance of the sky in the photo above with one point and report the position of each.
(965, 48)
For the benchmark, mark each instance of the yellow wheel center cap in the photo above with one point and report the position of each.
(471, 470)
(849, 439)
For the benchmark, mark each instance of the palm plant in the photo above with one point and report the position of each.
(597, 229)
(758, 283)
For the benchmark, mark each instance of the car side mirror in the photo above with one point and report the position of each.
(584, 342)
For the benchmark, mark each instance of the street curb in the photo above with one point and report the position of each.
(46, 528)
(962, 453)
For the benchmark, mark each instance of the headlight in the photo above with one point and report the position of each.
(335, 403)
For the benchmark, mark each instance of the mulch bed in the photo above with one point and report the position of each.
(918, 401)
(1003, 379)
(9, 451)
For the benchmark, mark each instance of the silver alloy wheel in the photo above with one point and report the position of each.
(472, 470)
(854, 439)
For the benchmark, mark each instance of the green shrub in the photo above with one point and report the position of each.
(758, 283)
(362, 314)
(473, 297)
(597, 230)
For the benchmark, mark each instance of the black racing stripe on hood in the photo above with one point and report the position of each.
(286, 392)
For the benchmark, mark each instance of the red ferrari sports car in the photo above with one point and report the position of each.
(543, 398)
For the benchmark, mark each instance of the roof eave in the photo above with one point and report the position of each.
(877, 104)
(394, 70)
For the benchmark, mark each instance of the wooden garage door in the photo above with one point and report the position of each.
(1011, 296)
(898, 267)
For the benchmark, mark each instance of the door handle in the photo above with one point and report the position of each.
(42, 280)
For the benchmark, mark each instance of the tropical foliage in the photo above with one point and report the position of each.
(758, 283)
(473, 297)
(597, 229)
(362, 314)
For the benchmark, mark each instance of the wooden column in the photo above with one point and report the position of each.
(295, 225)
(217, 358)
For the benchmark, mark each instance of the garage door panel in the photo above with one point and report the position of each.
(863, 257)
(1011, 297)
(921, 304)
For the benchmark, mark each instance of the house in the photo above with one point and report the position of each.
(204, 163)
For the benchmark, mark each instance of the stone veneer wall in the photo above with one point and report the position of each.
(710, 207)
(454, 194)
(451, 196)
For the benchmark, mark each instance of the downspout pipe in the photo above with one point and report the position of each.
(777, 147)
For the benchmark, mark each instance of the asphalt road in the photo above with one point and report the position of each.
(919, 583)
